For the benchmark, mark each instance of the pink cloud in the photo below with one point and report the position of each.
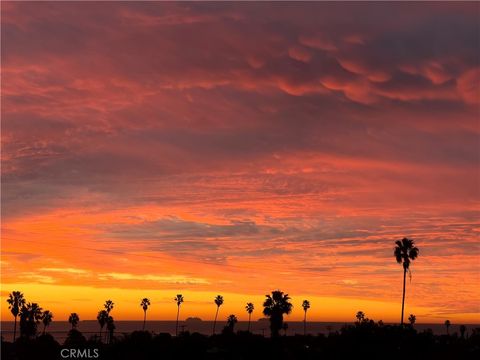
(299, 53)
(210, 131)
(468, 87)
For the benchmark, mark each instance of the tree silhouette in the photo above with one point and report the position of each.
(412, 318)
(249, 308)
(305, 306)
(230, 327)
(110, 328)
(30, 316)
(360, 317)
(145, 304)
(447, 324)
(102, 318)
(108, 306)
(275, 306)
(463, 328)
(405, 252)
(15, 302)
(47, 318)
(218, 301)
(179, 300)
(73, 319)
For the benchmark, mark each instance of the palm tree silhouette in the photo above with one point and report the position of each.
(47, 318)
(30, 316)
(305, 306)
(36, 312)
(218, 301)
(447, 324)
(15, 302)
(412, 318)
(275, 306)
(108, 306)
(73, 319)
(404, 253)
(360, 317)
(111, 328)
(179, 300)
(249, 307)
(145, 304)
(102, 318)
(231, 321)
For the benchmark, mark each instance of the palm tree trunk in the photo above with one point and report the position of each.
(249, 320)
(176, 325)
(14, 329)
(305, 324)
(144, 319)
(215, 321)
(403, 297)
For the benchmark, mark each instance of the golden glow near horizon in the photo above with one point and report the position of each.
(200, 304)
(69, 277)
(191, 159)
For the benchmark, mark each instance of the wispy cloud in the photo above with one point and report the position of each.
(171, 279)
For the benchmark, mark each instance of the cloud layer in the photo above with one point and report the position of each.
(243, 147)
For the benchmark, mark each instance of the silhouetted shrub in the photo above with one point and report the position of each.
(75, 338)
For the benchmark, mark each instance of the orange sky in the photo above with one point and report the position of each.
(153, 149)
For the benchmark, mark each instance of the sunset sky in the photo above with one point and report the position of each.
(150, 149)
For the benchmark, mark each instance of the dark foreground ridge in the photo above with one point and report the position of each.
(364, 340)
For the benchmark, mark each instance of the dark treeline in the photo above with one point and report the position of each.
(364, 339)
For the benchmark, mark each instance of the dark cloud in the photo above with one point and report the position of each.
(177, 229)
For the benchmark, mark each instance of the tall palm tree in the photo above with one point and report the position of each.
(412, 318)
(102, 318)
(447, 324)
(145, 304)
(405, 252)
(47, 318)
(249, 307)
(15, 302)
(218, 301)
(305, 306)
(108, 306)
(275, 306)
(179, 300)
(73, 319)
